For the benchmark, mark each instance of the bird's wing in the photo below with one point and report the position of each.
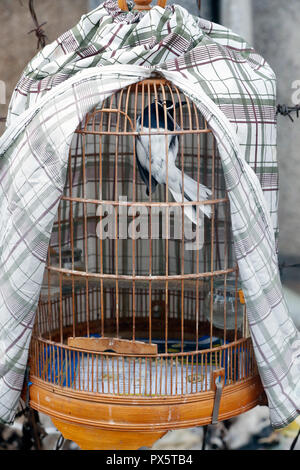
(144, 171)
(173, 147)
(145, 177)
(189, 211)
(173, 141)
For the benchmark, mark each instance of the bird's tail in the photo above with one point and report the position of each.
(191, 194)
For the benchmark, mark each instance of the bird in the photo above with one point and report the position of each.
(158, 158)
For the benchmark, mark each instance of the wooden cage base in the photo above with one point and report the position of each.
(107, 422)
(91, 438)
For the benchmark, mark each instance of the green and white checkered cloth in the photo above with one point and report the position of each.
(233, 87)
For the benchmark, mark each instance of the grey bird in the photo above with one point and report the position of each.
(158, 159)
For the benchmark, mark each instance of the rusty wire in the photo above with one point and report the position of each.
(39, 32)
(285, 110)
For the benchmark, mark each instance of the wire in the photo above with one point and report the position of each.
(22, 411)
(287, 110)
(205, 429)
(39, 32)
(295, 441)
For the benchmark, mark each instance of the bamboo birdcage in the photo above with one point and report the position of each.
(135, 336)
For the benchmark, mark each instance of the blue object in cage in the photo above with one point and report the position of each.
(59, 366)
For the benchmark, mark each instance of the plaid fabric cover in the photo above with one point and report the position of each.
(232, 86)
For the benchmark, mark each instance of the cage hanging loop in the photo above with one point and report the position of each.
(140, 4)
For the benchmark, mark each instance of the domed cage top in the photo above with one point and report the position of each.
(138, 301)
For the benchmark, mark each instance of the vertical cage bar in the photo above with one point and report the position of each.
(212, 241)
(166, 221)
(49, 297)
(60, 277)
(100, 238)
(116, 234)
(72, 236)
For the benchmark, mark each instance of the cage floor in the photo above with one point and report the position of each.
(144, 376)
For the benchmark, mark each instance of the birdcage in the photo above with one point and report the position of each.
(141, 325)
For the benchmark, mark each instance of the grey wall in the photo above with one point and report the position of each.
(238, 16)
(277, 37)
(93, 4)
(272, 27)
(18, 47)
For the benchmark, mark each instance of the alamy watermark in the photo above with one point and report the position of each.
(128, 221)
(296, 93)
